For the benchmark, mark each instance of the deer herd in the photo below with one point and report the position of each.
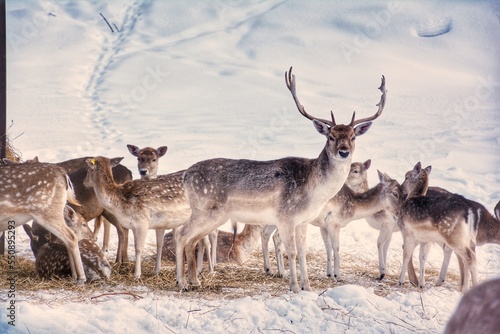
(278, 198)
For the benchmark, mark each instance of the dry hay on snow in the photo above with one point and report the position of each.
(228, 282)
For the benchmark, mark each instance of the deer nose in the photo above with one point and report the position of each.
(143, 171)
(344, 154)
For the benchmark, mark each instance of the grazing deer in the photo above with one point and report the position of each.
(40, 192)
(445, 218)
(140, 205)
(52, 260)
(39, 236)
(477, 311)
(230, 247)
(147, 160)
(287, 192)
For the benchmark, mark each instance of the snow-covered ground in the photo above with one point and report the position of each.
(206, 79)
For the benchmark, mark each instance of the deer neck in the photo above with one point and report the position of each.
(361, 205)
(106, 190)
(329, 175)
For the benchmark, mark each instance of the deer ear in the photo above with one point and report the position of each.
(418, 167)
(69, 213)
(91, 163)
(115, 161)
(321, 127)
(160, 151)
(8, 161)
(362, 128)
(35, 159)
(366, 164)
(428, 169)
(134, 150)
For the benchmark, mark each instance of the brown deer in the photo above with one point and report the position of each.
(446, 218)
(40, 192)
(147, 160)
(52, 261)
(287, 192)
(477, 311)
(39, 236)
(140, 205)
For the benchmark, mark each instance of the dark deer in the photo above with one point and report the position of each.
(288, 192)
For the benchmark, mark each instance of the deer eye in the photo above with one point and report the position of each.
(154, 160)
(353, 138)
(332, 138)
(395, 194)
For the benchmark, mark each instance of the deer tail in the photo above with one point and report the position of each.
(71, 192)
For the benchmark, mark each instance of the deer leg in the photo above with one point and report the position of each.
(301, 241)
(140, 234)
(159, 247)
(200, 248)
(409, 245)
(287, 234)
(447, 251)
(265, 235)
(335, 240)
(105, 238)
(97, 228)
(122, 251)
(424, 252)
(278, 250)
(212, 237)
(328, 249)
(180, 241)
(383, 242)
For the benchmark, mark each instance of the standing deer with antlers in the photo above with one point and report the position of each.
(40, 191)
(287, 192)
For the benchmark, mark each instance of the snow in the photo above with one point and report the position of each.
(206, 79)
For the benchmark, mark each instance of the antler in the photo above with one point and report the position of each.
(290, 83)
(380, 105)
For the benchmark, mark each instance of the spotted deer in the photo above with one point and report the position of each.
(40, 192)
(89, 207)
(140, 205)
(147, 159)
(287, 192)
(52, 261)
(444, 218)
(147, 165)
(347, 206)
(39, 236)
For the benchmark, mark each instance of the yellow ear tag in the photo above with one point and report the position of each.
(92, 161)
